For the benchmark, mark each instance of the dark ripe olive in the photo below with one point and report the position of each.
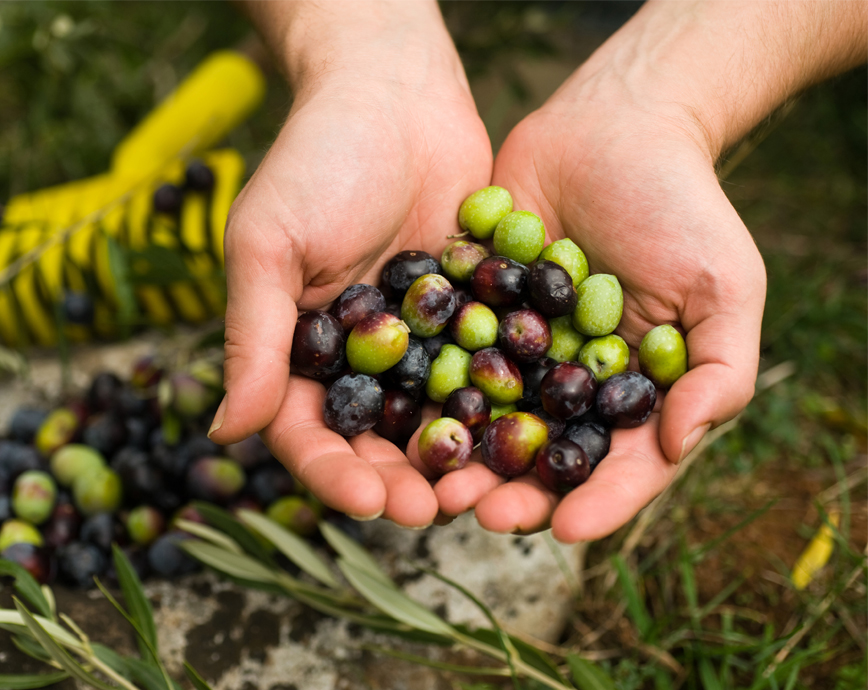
(317, 346)
(593, 438)
(499, 282)
(25, 423)
(269, 482)
(401, 271)
(250, 452)
(524, 335)
(411, 373)
(105, 433)
(551, 289)
(77, 308)
(470, 407)
(626, 400)
(556, 426)
(402, 415)
(355, 303)
(435, 344)
(353, 404)
(198, 177)
(562, 465)
(532, 376)
(168, 199)
(166, 558)
(568, 390)
(78, 563)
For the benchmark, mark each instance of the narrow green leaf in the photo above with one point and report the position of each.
(588, 676)
(209, 534)
(529, 654)
(14, 622)
(28, 646)
(352, 552)
(392, 601)
(145, 674)
(198, 681)
(139, 607)
(147, 648)
(63, 659)
(635, 605)
(290, 545)
(219, 518)
(26, 682)
(119, 268)
(235, 564)
(26, 586)
(156, 265)
(708, 676)
(503, 638)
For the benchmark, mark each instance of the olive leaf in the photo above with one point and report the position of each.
(293, 547)
(29, 681)
(26, 586)
(234, 564)
(139, 607)
(353, 553)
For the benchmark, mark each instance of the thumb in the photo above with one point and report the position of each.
(264, 280)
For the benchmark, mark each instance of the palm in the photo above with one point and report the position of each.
(643, 203)
(349, 182)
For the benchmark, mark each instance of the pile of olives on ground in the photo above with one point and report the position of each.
(119, 464)
(513, 337)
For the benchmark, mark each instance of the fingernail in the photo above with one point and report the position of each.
(692, 439)
(366, 518)
(218, 418)
(418, 527)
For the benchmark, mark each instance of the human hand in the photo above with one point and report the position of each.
(631, 180)
(381, 146)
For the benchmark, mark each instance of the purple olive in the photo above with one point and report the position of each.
(551, 289)
(355, 303)
(470, 407)
(626, 400)
(499, 282)
(317, 346)
(511, 442)
(402, 415)
(562, 465)
(568, 390)
(524, 335)
(401, 271)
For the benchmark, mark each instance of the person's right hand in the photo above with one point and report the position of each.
(381, 147)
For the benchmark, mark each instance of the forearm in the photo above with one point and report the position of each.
(724, 63)
(395, 41)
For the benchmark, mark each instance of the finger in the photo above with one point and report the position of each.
(625, 481)
(461, 490)
(410, 500)
(430, 412)
(320, 459)
(262, 285)
(723, 353)
(520, 505)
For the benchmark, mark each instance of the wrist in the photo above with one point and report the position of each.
(347, 44)
(717, 68)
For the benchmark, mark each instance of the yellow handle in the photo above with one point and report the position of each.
(217, 96)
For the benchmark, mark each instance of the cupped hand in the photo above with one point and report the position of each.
(635, 188)
(361, 170)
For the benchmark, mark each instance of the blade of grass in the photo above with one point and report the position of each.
(290, 545)
(147, 647)
(635, 605)
(140, 612)
(29, 681)
(588, 676)
(198, 681)
(708, 676)
(26, 586)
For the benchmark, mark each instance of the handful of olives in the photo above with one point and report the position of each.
(514, 337)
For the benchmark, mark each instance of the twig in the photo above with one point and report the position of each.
(854, 630)
(847, 484)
